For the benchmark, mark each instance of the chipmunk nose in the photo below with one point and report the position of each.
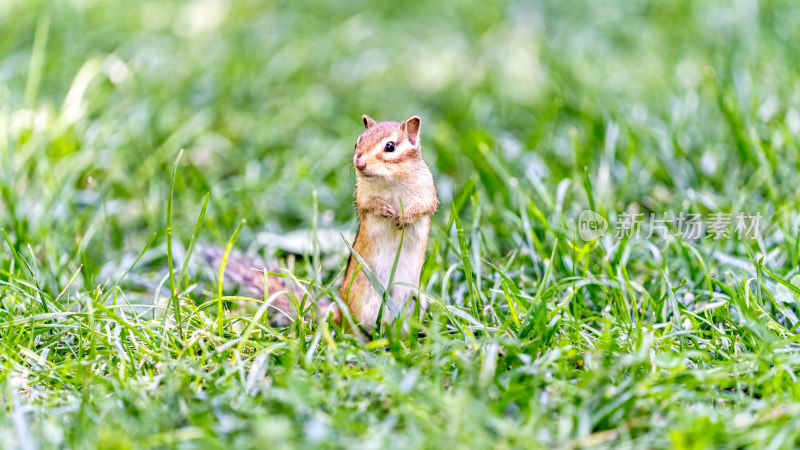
(360, 163)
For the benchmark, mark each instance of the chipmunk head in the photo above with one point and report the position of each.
(388, 150)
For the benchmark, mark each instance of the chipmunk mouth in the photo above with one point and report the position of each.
(365, 174)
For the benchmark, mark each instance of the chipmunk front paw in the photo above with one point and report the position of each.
(399, 223)
(386, 210)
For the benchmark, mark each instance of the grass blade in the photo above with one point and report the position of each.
(228, 248)
(173, 292)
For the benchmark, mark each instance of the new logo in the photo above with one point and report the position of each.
(591, 225)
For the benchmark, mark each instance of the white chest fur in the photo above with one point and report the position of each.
(385, 240)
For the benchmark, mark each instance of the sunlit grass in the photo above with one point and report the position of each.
(531, 114)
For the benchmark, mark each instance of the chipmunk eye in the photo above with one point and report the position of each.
(389, 147)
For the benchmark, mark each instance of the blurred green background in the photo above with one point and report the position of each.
(532, 112)
(654, 98)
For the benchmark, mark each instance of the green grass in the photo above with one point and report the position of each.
(531, 114)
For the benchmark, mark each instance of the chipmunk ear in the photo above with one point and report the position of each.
(368, 122)
(410, 128)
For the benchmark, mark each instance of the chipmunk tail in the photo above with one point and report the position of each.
(248, 273)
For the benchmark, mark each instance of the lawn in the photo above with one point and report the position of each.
(131, 131)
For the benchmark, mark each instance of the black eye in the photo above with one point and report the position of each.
(389, 147)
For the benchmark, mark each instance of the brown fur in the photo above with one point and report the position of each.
(377, 132)
(388, 179)
(248, 272)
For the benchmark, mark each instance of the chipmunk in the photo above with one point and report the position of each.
(390, 172)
